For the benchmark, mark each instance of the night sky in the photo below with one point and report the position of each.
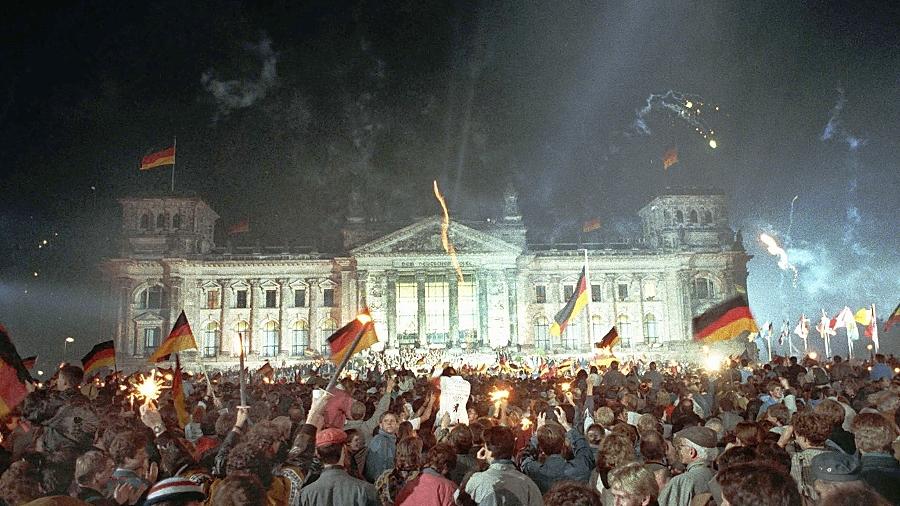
(280, 109)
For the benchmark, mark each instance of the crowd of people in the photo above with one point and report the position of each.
(784, 433)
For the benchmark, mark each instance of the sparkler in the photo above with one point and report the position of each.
(526, 423)
(498, 395)
(774, 249)
(445, 229)
(565, 387)
(147, 388)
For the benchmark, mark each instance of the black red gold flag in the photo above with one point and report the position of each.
(181, 338)
(724, 321)
(101, 355)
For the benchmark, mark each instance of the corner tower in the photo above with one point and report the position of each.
(166, 226)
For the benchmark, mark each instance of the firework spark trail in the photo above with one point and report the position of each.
(774, 249)
(688, 108)
(445, 233)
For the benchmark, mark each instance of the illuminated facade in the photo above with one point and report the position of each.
(286, 302)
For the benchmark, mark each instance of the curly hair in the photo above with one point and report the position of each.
(758, 483)
(832, 411)
(812, 426)
(441, 458)
(245, 458)
(615, 450)
(239, 490)
(125, 445)
(409, 454)
(873, 432)
(571, 493)
(749, 433)
(460, 438)
(551, 440)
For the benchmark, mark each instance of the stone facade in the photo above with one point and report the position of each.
(286, 302)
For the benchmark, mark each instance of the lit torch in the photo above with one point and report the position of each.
(499, 395)
(526, 424)
(445, 229)
(565, 387)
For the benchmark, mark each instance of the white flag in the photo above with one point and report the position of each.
(824, 327)
(802, 328)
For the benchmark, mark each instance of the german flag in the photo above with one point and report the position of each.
(893, 319)
(725, 321)
(28, 362)
(575, 304)
(101, 355)
(158, 159)
(609, 340)
(341, 341)
(591, 225)
(241, 227)
(181, 338)
(266, 371)
(13, 375)
(670, 158)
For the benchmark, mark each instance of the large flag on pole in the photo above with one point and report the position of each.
(574, 305)
(13, 375)
(847, 320)
(181, 338)
(101, 355)
(339, 343)
(893, 319)
(158, 159)
(802, 328)
(724, 321)
(872, 329)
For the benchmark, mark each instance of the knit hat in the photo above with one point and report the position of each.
(700, 436)
(835, 466)
(174, 489)
(330, 436)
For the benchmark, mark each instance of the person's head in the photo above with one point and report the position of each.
(355, 440)
(129, 450)
(551, 440)
(653, 446)
(357, 410)
(93, 470)
(246, 458)
(749, 433)
(70, 376)
(853, 495)
(409, 454)
(330, 445)
(614, 365)
(832, 411)
(837, 359)
(695, 444)
(633, 485)
(652, 366)
(460, 438)
(759, 484)
(239, 490)
(389, 423)
(605, 416)
(776, 391)
(811, 429)
(873, 432)
(571, 493)
(778, 414)
(833, 471)
(20, 483)
(594, 434)
(499, 443)
(441, 458)
(615, 450)
(176, 491)
(793, 360)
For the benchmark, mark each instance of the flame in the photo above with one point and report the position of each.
(445, 229)
(565, 387)
(499, 394)
(526, 423)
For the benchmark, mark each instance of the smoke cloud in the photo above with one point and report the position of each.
(242, 93)
(835, 129)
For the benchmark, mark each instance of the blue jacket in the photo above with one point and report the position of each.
(555, 468)
(380, 458)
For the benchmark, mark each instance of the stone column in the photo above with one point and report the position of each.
(611, 279)
(283, 332)
(555, 299)
(224, 301)
(687, 303)
(640, 280)
(513, 303)
(481, 278)
(312, 293)
(128, 342)
(362, 278)
(420, 309)
(390, 295)
(252, 346)
(173, 292)
(453, 309)
(347, 301)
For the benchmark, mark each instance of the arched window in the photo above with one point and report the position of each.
(240, 330)
(542, 333)
(151, 298)
(679, 217)
(211, 339)
(145, 222)
(704, 288)
(327, 328)
(161, 221)
(707, 217)
(597, 328)
(270, 339)
(693, 216)
(667, 217)
(300, 338)
(151, 340)
(176, 221)
(651, 334)
(624, 327)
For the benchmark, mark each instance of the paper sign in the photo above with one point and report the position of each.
(454, 396)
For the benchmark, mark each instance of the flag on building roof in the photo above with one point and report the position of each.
(340, 342)
(241, 227)
(893, 319)
(573, 306)
(724, 321)
(609, 340)
(178, 395)
(181, 338)
(13, 375)
(101, 355)
(670, 158)
(158, 159)
(28, 362)
(591, 225)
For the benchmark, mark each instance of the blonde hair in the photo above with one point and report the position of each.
(605, 416)
(635, 479)
(88, 465)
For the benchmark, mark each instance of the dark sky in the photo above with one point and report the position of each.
(278, 109)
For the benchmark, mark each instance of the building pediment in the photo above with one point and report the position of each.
(424, 237)
(148, 317)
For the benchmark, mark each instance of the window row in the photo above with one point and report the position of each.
(572, 337)
(270, 299)
(622, 292)
(162, 221)
(694, 217)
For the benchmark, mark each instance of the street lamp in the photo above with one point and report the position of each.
(69, 339)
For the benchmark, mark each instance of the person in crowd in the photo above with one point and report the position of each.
(571, 493)
(460, 439)
(239, 490)
(838, 438)
(432, 486)
(382, 448)
(407, 464)
(881, 370)
(757, 483)
(613, 379)
(873, 434)
(501, 483)
(615, 450)
(633, 485)
(810, 431)
(334, 485)
(835, 472)
(365, 428)
(653, 450)
(551, 441)
(695, 448)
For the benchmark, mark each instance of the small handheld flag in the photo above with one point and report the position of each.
(591, 225)
(341, 341)
(241, 227)
(181, 338)
(609, 340)
(101, 355)
(28, 362)
(724, 321)
(893, 319)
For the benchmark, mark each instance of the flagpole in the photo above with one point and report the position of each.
(587, 307)
(343, 364)
(769, 342)
(174, 158)
(243, 382)
(850, 341)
